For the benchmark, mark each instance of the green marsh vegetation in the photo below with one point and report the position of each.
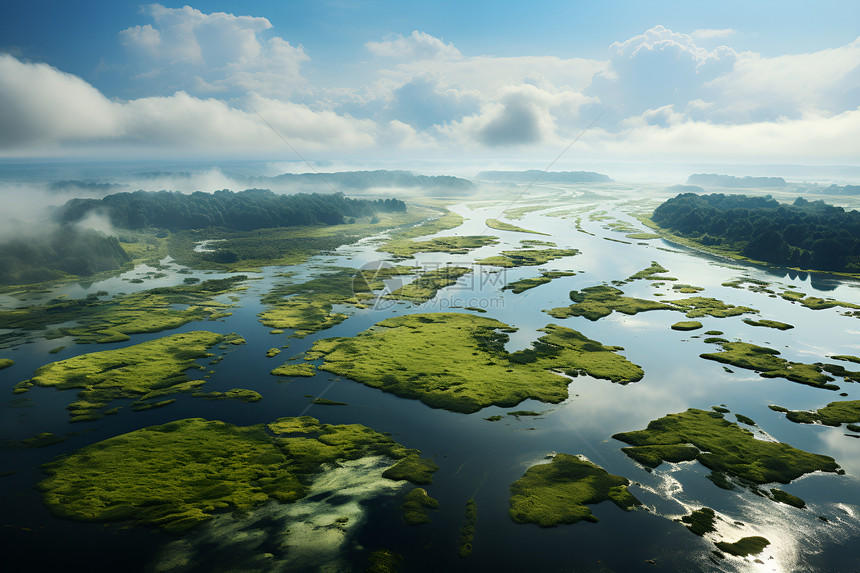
(526, 257)
(455, 245)
(529, 243)
(561, 491)
(467, 532)
(700, 521)
(178, 475)
(743, 547)
(6, 363)
(115, 319)
(652, 273)
(687, 325)
(502, 226)
(428, 284)
(143, 372)
(768, 364)
(457, 361)
(307, 307)
(833, 414)
(304, 369)
(721, 446)
(768, 324)
(523, 285)
(787, 498)
(417, 505)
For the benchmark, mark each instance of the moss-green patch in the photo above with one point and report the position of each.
(455, 245)
(502, 226)
(383, 561)
(833, 414)
(428, 284)
(722, 446)
(697, 306)
(523, 285)
(307, 307)
(458, 362)
(417, 505)
(177, 475)
(6, 363)
(745, 546)
(596, 302)
(652, 273)
(526, 257)
(787, 498)
(687, 289)
(642, 236)
(745, 420)
(529, 413)
(114, 320)
(528, 243)
(412, 468)
(714, 332)
(768, 323)
(42, 440)
(495, 418)
(143, 372)
(304, 369)
(241, 394)
(814, 302)
(766, 362)
(700, 521)
(327, 402)
(720, 409)
(467, 532)
(560, 492)
(715, 340)
(272, 352)
(846, 358)
(687, 325)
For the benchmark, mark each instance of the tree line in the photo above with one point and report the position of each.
(245, 210)
(805, 234)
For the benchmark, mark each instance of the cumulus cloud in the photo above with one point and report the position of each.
(417, 46)
(208, 53)
(424, 101)
(710, 33)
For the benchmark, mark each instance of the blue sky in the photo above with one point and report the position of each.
(775, 82)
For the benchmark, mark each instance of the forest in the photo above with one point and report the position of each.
(805, 234)
(65, 250)
(242, 211)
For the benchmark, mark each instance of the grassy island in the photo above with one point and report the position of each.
(455, 245)
(502, 226)
(458, 362)
(561, 491)
(700, 521)
(745, 546)
(467, 532)
(526, 257)
(652, 273)
(687, 325)
(523, 285)
(428, 284)
(6, 363)
(302, 369)
(113, 320)
(144, 372)
(769, 324)
(178, 475)
(721, 446)
(417, 505)
(596, 302)
(768, 364)
(833, 414)
(307, 307)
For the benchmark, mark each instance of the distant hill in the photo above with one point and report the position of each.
(360, 180)
(685, 189)
(548, 177)
(715, 180)
(841, 190)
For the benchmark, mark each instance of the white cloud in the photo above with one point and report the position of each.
(201, 53)
(417, 46)
(710, 33)
(40, 105)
